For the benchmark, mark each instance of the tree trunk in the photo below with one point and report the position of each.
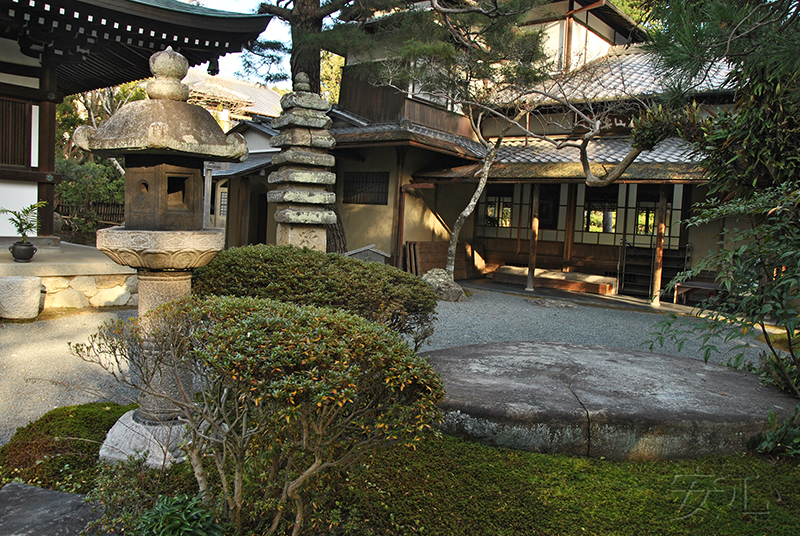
(336, 239)
(305, 25)
(491, 152)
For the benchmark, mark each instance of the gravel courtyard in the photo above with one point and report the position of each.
(38, 373)
(499, 317)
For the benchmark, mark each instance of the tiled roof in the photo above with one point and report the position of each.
(407, 131)
(625, 73)
(600, 151)
(260, 100)
(185, 7)
(255, 162)
(670, 161)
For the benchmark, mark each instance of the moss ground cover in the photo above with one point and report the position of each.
(59, 450)
(450, 487)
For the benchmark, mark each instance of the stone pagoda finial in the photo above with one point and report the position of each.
(302, 174)
(302, 82)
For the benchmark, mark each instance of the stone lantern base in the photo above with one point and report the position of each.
(164, 261)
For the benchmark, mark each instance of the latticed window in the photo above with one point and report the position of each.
(14, 119)
(499, 203)
(647, 207)
(366, 188)
(600, 209)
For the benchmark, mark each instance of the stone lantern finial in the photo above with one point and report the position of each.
(168, 68)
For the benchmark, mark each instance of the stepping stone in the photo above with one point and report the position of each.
(601, 402)
(28, 510)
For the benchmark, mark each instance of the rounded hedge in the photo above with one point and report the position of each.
(377, 292)
(314, 389)
(294, 355)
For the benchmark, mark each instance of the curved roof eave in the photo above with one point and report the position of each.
(188, 15)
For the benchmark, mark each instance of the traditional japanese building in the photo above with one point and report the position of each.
(406, 167)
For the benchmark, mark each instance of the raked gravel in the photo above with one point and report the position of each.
(488, 317)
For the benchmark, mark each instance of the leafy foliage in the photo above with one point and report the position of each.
(377, 292)
(753, 175)
(59, 450)
(288, 394)
(180, 515)
(780, 439)
(24, 220)
(86, 184)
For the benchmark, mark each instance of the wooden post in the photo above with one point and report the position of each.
(47, 153)
(569, 234)
(658, 263)
(534, 236)
(398, 220)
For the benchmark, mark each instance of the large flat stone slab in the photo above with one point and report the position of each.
(28, 510)
(600, 401)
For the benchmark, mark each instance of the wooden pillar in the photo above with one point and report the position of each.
(569, 234)
(47, 152)
(658, 263)
(398, 220)
(534, 236)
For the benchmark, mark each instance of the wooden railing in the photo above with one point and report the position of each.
(108, 213)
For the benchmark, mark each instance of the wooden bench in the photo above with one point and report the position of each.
(683, 289)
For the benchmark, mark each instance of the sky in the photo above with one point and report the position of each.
(276, 31)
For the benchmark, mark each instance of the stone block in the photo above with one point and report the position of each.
(158, 445)
(84, 284)
(53, 284)
(302, 176)
(133, 301)
(110, 297)
(299, 117)
(296, 195)
(67, 298)
(445, 288)
(109, 281)
(304, 137)
(26, 509)
(304, 99)
(305, 216)
(132, 284)
(19, 296)
(304, 158)
(303, 236)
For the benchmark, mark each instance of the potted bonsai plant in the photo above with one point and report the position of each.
(24, 221)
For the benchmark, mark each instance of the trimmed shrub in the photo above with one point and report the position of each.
(377, 292)
(289, 396)
(59, 450)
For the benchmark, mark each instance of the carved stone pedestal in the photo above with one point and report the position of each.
(163, 260)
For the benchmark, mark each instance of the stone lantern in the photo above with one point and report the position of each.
(164, 141)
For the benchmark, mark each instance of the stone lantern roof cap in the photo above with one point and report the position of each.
(165, 123)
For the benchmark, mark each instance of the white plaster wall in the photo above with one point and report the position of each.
(9, 52)
(14, 196)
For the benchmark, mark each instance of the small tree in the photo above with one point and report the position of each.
(287, 394)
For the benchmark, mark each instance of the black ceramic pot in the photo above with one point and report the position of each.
(22, 251)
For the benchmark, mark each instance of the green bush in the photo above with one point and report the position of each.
(176, 516)
(377, 292)
(59, 450)
(289, 396)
